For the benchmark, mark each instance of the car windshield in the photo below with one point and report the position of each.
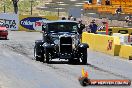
(62, 27)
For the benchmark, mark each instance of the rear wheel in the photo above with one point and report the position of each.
(84, 56)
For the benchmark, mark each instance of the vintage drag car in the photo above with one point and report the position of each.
(60, 40)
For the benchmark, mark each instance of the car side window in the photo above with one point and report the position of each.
(74, 28)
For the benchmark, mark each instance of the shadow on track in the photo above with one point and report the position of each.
(4, 39)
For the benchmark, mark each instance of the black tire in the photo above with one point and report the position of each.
(84, 57)
(70, 61)
(38, 56)
(35, 55)
(42, 58)
(47, 56)
(6, 38)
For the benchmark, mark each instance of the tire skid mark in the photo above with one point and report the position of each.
(100, 69)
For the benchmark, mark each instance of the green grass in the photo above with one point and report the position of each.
(25, 7)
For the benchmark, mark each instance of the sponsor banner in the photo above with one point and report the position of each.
(120, 30)
(34, 23)
(11, 21)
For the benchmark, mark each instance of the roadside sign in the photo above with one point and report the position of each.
(11, 21)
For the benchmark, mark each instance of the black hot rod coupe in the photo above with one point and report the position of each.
(60, 40)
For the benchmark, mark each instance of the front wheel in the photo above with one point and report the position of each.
(84, 57)
(38, 56)
(47, 56)
(6, 38)
(35, 55)
(73, 61)
(70, 61)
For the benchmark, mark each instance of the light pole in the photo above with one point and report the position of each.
(31, 7)
(4, 6)
(58, 12)
(59, 8)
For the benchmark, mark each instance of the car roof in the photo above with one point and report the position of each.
(56, 21)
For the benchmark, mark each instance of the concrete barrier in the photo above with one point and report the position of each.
(89, 39)
(126, 51)
(102, 43)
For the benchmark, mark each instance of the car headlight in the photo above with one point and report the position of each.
(56, 41)
(75, 40)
